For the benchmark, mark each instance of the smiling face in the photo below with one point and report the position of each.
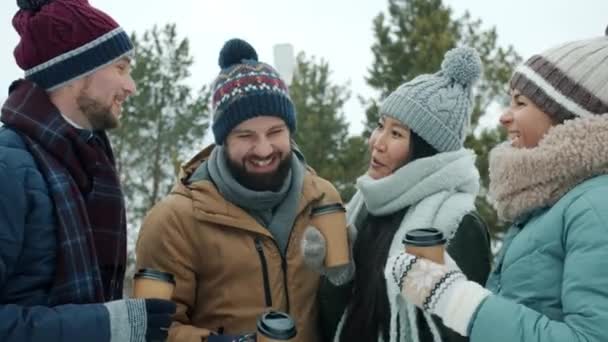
(259, 153)
(389, 147)
(103, 93)
(525, 123)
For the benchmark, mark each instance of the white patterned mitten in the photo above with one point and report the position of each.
(439, 289)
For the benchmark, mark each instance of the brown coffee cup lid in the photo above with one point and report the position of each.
(277, 325)
(150, 273)
(424, 237)
(327, 208)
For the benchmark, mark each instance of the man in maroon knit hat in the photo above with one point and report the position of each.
(62, 213)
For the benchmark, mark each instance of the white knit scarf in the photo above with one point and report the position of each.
(439, 191)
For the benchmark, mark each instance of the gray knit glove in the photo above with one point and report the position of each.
(313, 246)
(140, 320)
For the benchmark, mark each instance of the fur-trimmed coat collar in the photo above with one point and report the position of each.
(523, 180)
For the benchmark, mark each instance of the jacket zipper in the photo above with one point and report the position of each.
(284, 267)
(284, 264)
(260, 249)
(284, 259)
(268, 295)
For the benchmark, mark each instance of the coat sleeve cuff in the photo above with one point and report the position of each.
(128, 320)
(463, 302)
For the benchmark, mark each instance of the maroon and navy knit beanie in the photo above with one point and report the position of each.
(62, 40)
(246, 88)
(567, 81)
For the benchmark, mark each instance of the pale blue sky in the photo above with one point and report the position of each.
(337, 30)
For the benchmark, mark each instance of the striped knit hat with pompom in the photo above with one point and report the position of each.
(246, 88)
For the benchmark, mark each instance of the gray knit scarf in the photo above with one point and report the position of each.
(274, 210)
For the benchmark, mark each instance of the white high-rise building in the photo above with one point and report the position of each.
(284, 61)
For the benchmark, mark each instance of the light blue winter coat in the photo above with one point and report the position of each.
(551, 278)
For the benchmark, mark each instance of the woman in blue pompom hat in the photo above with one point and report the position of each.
(419, 176)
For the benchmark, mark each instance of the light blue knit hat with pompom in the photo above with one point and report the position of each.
(438, 107)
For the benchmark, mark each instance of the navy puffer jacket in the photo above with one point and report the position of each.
(28, 250)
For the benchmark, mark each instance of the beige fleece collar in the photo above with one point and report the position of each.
(522, 180)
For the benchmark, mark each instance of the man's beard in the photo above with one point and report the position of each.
(99, 115)
(271, 181)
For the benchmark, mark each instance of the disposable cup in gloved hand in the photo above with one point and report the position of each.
(151, 283)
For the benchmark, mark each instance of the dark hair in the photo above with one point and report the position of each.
(419, 148)
(560, 119)
(369, 309)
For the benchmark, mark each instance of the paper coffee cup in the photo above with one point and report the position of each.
(427, 243)
(151, 283)
(275, 326)
(330, 219)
